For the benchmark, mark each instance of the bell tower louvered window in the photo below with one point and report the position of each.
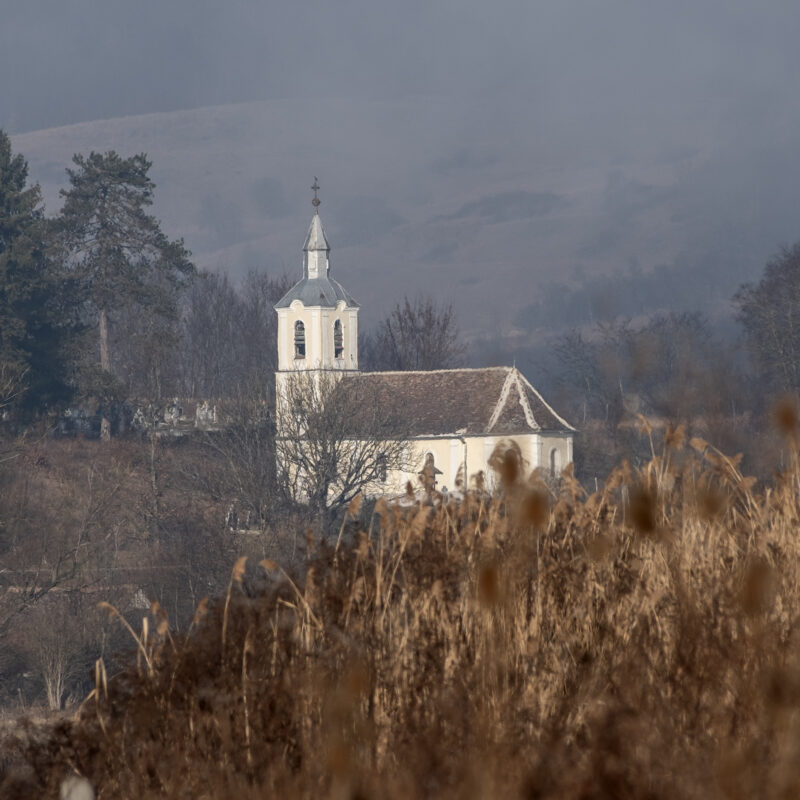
(338, 346)
(299, 340)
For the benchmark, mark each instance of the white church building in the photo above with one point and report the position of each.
(452, 419)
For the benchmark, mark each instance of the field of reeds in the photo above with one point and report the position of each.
(538, 643)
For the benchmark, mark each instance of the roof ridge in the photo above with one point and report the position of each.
(432, 371)
(546, 404)
(501, 401)
(523, 401)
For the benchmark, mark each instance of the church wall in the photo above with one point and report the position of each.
(349, 319)
(448, 455)
(451, 453)
(555, 452)
(284, 354)
(350, 323)
(287, 317)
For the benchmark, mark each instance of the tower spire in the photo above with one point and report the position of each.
(316, 201)
(316, 247)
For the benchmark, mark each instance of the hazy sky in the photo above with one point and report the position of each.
(633, 63)
(537, 140)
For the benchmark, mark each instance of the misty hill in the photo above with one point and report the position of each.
(519, 228)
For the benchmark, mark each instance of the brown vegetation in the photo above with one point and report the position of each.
(640, 642)
(129, 522)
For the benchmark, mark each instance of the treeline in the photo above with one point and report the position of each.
(98, 307)
(614, 377)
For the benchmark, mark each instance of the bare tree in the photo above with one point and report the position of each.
(418, 334)
(12, 383)
(334, 441)
(243, 453)
(147, 351)
(55, 642)
(230, 335)
(69, 541)
(210, 339)
(259, 331)
(670, 366)
(770, 314)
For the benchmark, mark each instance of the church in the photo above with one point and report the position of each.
(451, 420)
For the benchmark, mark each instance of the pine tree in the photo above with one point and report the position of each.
(33, 325)
(118, 253)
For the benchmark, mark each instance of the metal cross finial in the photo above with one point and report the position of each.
(316, 201)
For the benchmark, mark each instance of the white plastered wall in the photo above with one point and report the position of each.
(471, 454)
(318, 322)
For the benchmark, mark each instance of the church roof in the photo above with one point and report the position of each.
(322, 291)
(490, 401)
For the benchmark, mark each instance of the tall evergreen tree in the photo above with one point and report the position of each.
(33, 328)
(118, 253)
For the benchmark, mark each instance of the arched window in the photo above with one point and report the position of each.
(338, 347)
(299, 340)
(555, 462)
(383, 468)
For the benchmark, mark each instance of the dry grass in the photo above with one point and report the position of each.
(640, 642)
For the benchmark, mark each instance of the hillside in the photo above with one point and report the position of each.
(417, 198)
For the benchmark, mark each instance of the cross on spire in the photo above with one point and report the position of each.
(316, 201)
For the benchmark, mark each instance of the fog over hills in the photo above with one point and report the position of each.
(520, 225)
(539, 164)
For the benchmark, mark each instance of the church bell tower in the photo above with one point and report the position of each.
(317, 318)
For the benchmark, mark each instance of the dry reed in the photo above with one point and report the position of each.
(639, 642)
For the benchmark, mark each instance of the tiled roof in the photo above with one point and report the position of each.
(492, 400)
